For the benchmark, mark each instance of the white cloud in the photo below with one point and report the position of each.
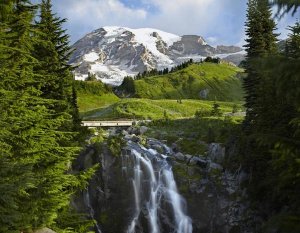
(84, 16)
(221, 19)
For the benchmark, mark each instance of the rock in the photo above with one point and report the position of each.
(216, 153)
(128, 137)
(215, 166)
(174, 147)
(143, 129)
(44, 230)
(230, 190)
(191, 171)
(242, 177)
(125, 133)
(188, 157)
(180, 156)
(197, 161)
(88, 159)
(133, 130)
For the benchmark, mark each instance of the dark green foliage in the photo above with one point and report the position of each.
(37, 144)
(261, 41)
(285, 6)
(115, 144)
(165, 71)
(216, 111)
(92, 87)
(91, 77)
(235, 108)
(74, 222)
(200, 113)
(271, 148)
(212, 60)
(53, 52)
(128, 85)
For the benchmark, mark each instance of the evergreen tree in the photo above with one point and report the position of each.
(53, 52)
(272, 148)
(286, 6)
(261, 41)
(35, 153)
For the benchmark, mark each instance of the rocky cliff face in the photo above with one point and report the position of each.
(215, 201)
(114, 52)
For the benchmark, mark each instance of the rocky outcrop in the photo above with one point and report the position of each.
(215, 200)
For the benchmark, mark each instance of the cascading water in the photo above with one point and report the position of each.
(91, 210)
(155, 192)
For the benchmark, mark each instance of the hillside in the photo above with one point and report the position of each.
(157, 109)
(93, 95)
(206, 81)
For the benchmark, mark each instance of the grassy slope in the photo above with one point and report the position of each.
(94, 95)
(154, 109)
(222, 81)
(89, 102)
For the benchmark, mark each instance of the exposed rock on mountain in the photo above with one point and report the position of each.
(111, 53)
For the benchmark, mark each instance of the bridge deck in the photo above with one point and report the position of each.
(107, 123)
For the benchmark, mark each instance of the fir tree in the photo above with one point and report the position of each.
(35, 153)
(261, 41)
(53, 53)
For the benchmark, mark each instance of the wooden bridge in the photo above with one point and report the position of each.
(116, 123)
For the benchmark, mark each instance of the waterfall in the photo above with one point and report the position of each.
(87, 202)
(154, 189)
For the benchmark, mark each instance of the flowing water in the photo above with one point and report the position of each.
(87, 202)
(156, 197)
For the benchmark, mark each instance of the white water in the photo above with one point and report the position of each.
(91, 210)
(153, 185)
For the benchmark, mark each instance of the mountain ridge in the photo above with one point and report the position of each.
(111, 53)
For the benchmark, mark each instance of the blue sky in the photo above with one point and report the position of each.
(218, 21)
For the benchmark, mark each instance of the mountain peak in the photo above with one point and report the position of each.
(113, 52)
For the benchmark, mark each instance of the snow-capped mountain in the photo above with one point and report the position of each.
(111, 53)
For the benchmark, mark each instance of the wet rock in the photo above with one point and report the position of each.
(179, 156)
